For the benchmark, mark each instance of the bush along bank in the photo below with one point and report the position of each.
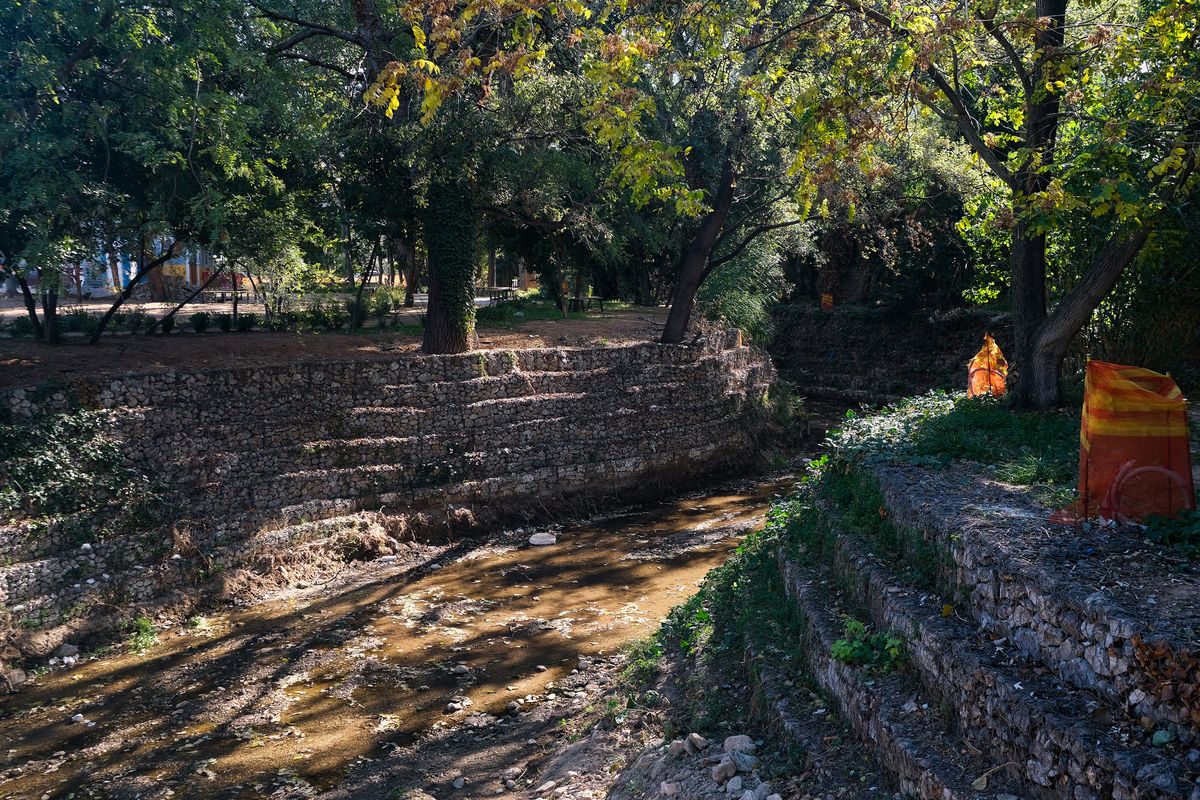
(913, 587)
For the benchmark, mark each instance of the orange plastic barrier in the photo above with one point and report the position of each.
(1133, 445)
(826, 302)
(988, 371)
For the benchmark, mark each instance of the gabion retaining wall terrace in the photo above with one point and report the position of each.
(258, 457)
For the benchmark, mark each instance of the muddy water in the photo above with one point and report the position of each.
(289, 694)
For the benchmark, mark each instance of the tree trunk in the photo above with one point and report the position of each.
(1028, 295)
(359, 315)
(50, 313)
(451, 239)
(189, 299)
(127, 292)
(693, 263)
(31, 309)
(1037, 383)
(412, 276)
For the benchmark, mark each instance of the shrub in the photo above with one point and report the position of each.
(385, 301)
(119, 320)
(21, 326)
(357, 309)
(284, 320)
(246, 322)
(333, 315)
(225, 321)
(1022, 448)
(200, 321)
(135, 321)
(78, 321)
(167, 324)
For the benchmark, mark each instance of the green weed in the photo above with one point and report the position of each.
(862, 647)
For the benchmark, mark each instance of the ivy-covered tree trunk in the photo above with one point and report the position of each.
(451, 241)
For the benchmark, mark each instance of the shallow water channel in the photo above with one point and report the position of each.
(294, 692)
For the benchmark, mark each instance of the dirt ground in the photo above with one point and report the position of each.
(25, 363)
(409, 673)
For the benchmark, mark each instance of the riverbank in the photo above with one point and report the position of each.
(414, 671)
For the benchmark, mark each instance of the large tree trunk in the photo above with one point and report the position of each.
(1037, 385)
(451, 240)
(694, 261)
(1028, 296)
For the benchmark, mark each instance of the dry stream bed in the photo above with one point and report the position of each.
(449, 664)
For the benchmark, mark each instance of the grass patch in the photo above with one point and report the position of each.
(142, 635)
(742, 600)
(1039, 450)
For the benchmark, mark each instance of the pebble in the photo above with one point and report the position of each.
(66, 649)
(676, 748)
(735, 784)
(545, 787)
(542, 539)
(460, 669)
(669, 789)
(460, 783)
(697, 741)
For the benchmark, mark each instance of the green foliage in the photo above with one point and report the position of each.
(167, 324)
(135, 321)
(357, 310)
(1023, 448)
(224, 321)
(742, 292)
(67, 468)
(21, 326)
(1181, 533)
(200, 321)
(522, 309)
(246, 322)
(78, 321)
(142, 635)
(385, 301)
(328, 313)
(861, 647)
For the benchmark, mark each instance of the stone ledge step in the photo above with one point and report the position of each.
(1004, 701)
(791, 721)
(1072, 608)
(927, 759)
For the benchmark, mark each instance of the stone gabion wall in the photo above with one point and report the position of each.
(297, 452)
(1030, 583)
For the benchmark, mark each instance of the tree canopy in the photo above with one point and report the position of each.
(1031, 154)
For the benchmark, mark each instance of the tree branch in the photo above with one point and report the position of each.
(754, 233)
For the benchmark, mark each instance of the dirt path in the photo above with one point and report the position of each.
(439, 665)
(24, 362)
